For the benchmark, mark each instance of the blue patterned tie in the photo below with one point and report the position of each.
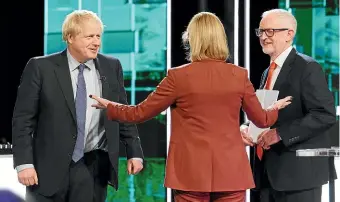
(80, 102)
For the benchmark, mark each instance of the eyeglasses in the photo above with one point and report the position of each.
(269, 32)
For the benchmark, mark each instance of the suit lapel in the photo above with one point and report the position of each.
(285, 70)
(64, 78)
(102, 72)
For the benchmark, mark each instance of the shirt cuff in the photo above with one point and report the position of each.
(140, 159)
(23, 167)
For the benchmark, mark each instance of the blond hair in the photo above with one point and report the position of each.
(73, 22)
(205, 38)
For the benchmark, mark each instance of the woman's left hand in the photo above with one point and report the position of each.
(102, 103)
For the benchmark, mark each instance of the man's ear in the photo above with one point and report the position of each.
(290, 35)
(70, 39)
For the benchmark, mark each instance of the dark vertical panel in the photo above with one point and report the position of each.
(182, 12)
(23, 37)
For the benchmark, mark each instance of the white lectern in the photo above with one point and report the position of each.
(8, 175)
(330, 153)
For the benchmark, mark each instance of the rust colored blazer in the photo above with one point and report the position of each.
(206, 152)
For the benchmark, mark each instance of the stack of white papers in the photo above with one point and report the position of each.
(266, 98)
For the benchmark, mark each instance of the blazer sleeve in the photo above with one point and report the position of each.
(262, 82)
(251, 105)
(25, 114)
(319, 104)
(158, 101)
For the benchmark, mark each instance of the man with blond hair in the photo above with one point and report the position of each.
(280, 175)
(63, 149)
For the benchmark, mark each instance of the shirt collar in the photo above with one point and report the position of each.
(73, 63)
(282, 57)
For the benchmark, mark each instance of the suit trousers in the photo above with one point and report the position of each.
(86, 181)
(228, 196)
(268, 194)
(309, 195)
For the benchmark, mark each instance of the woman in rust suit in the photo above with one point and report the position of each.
(207, 160)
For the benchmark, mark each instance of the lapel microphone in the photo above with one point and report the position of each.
(102, 78)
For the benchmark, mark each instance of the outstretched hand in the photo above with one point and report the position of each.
(282, 103)
(101, 102)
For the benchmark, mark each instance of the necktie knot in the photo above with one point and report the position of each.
(273, 65)
(81, 67)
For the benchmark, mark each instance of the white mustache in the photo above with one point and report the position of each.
(267, 42)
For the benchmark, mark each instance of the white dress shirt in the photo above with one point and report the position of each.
(279, 63)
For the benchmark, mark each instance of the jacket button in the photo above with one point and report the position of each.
(74, 136)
